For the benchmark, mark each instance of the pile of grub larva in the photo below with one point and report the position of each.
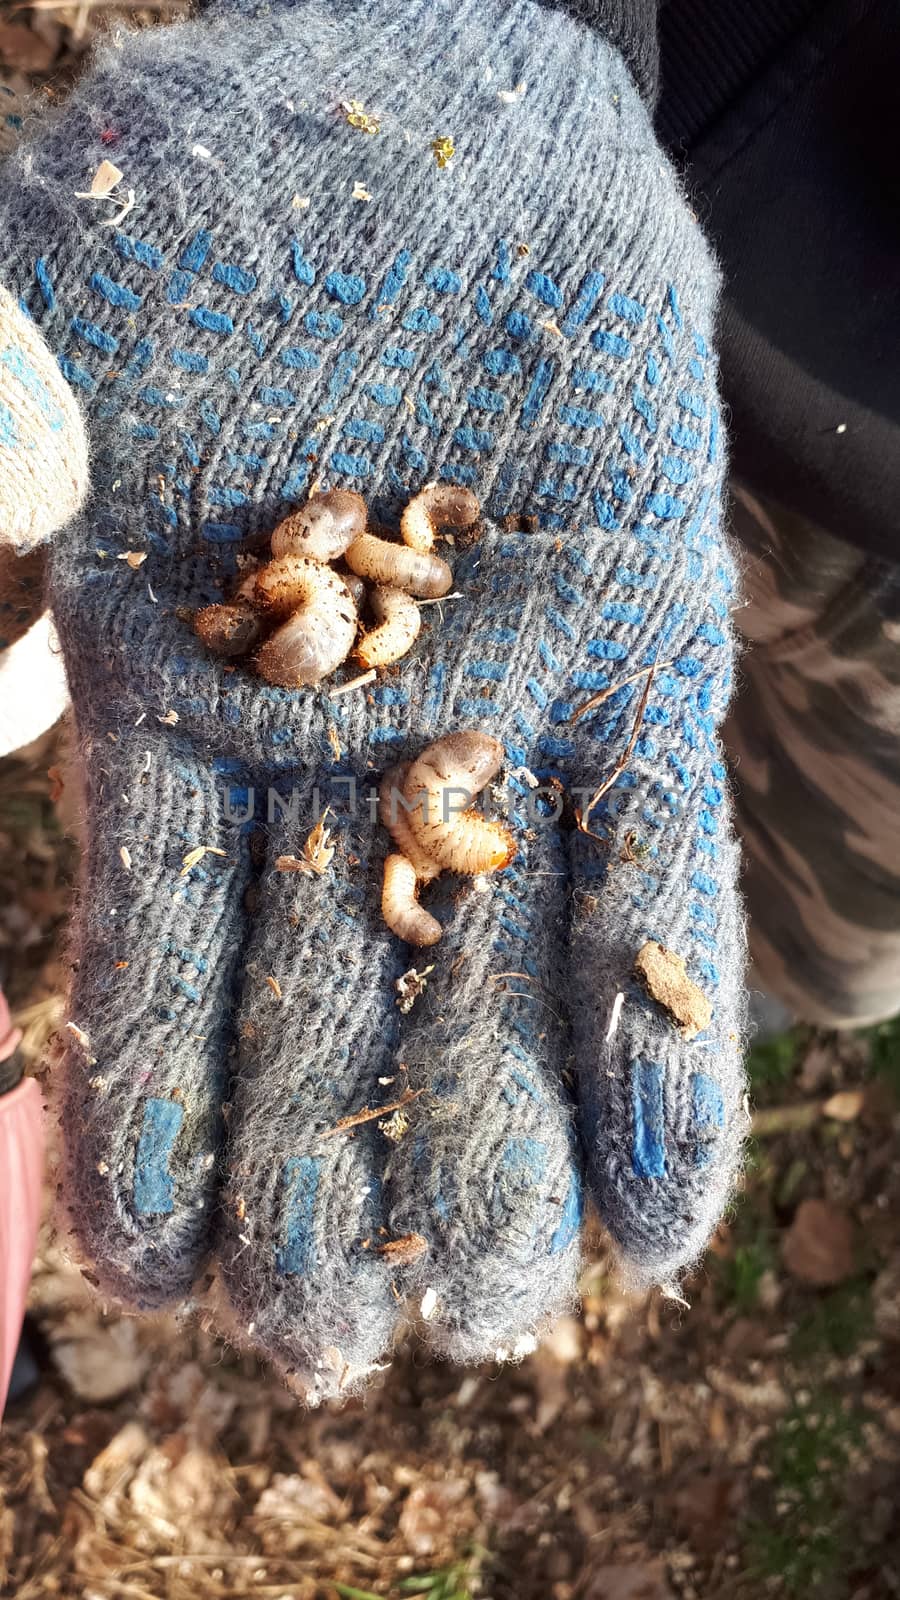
(300, 617)
(415, 804)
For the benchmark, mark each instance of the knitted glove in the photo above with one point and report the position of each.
(309, 290)
(43, 476)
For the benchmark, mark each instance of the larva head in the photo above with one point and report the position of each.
(323, 528)
(438, 505)
(43, 448)
(229, 630)
(468, 757)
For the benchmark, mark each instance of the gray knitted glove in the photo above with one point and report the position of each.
(306, 290)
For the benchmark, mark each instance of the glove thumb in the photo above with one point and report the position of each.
(43, 448)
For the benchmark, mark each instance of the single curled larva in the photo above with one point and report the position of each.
(438, 505)
(399, 621)
(320, 628)
(393, 814)
(399, 567)
(233, 627)
(452, 769)
(457, 766)
(323, 528)
(400, 906)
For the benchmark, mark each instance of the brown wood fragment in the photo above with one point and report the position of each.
(662, 973)
(402, 1252)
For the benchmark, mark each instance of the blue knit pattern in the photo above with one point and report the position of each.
(520, 324)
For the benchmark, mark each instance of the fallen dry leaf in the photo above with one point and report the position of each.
(99, 1361)
(845, 1106)
(644, 1581)
(135, 558)
(23, 50)
(665, 978)
(818, 1247)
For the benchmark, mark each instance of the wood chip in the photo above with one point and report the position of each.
(410, 986)
(511, 96)
(125, 857)
(663, 974)
(300, 202)
(355, 683)
(334, 741)
(396, 1127)
(358, 117)
(135, 558)
(318, 853)
(428, 1304)
(274, 985)
(194, 856)
(360, 192)
(169, 719)
(443, 149)
(402, 1252)
(104, 181)
(82, 1038)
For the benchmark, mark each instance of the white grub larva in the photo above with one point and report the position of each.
(323, 528)
(454, 769)
(393, 815)
(291, 581)
(438, 505)
(400, 907)
(232, 628)
(399, 567)
(399, 621)
(318, 634)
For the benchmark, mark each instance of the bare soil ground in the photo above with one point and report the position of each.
(746, 1446)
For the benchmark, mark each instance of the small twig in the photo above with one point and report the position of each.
(613, 688)
(623, 761)
(368, 1114)
(786, 1119)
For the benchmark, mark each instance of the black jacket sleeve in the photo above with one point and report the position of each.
(787, 115)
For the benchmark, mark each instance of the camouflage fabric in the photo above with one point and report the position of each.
(813, 739)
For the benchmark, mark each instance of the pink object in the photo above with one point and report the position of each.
(21, 1167)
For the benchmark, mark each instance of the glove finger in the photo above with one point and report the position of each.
(488, 1172)
(43, 449)
(661, 1099)
(156, 939)
(303, 1204)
